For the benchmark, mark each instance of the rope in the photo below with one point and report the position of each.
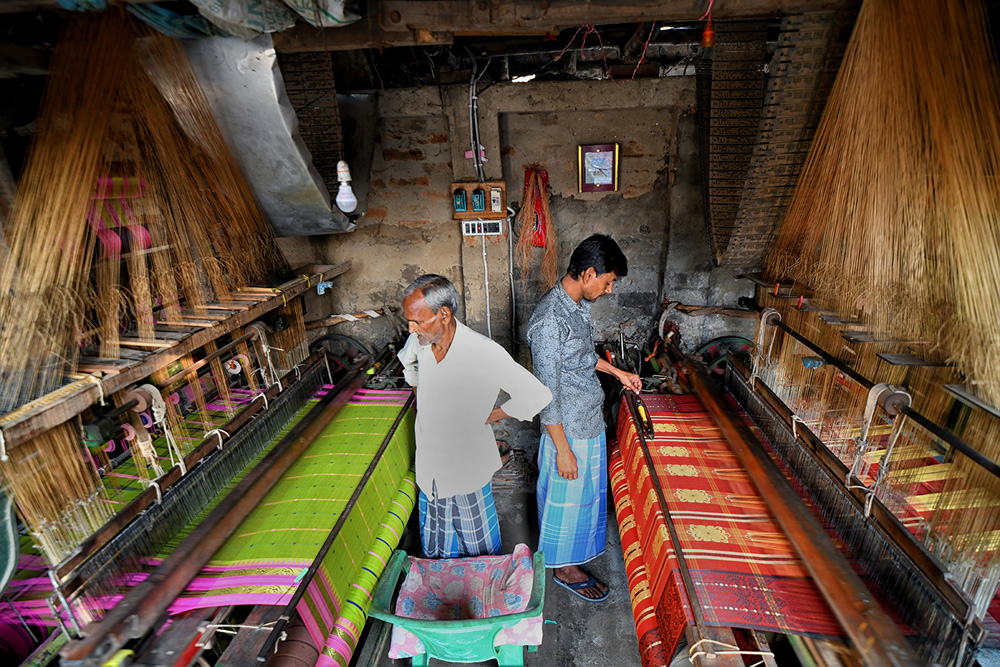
(3, 442)
(94, 380)
(307, 279)
(797, 419)
(159, 491)
(234, 628)
(264, 396)
(693, 652)
(219, 432)
(160, 419)
(863, 444)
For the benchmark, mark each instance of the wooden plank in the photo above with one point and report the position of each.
(187, 315)
(63, 404)
(908, 360)
(171, 335)
(229, 305)
(99, 365)
(190, 322)
(865, 337)
(530, 17)
(134, 355)
(935, 472)
(904, 453)
(953, 500)
(152, 344)
(365, 34)
(183, 328)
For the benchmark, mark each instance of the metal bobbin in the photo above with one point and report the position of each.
(892, 399)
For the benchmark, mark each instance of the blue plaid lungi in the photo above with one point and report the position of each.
(462, 525)
(572, 514)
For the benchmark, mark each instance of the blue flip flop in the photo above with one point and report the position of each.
(579, 586)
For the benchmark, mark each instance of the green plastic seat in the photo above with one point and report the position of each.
(467, 640)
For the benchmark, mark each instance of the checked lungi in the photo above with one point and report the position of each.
(572, 514)
(460, 525)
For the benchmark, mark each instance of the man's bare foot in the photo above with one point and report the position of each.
(572, 574)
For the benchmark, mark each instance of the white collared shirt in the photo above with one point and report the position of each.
(456, 449)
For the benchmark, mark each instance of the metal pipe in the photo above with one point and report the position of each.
(874, 635)
(145, 606)
(250, 335)
(304, 582)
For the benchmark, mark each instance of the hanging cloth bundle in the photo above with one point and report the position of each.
(535, 228)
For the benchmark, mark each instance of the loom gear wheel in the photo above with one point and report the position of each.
(715, 352)
(343, 350)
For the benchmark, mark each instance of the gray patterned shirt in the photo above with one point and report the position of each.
(562, 353)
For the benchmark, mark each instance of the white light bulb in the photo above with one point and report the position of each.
(346, 201)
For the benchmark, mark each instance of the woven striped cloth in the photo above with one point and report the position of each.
(263, 562)
(652, 650)
(745, 572)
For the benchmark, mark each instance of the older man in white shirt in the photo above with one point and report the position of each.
(458, 374)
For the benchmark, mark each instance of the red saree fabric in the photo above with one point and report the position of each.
(745, 572)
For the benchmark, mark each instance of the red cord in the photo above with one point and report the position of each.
(645, 46)
(708, 12)
(590, 29)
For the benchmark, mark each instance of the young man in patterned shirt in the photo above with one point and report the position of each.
(572, 461)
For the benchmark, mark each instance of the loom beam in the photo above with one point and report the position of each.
(872, 632)
(701, 627)
(34, 418)
(144, 608)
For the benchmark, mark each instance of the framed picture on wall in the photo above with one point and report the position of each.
(597, 165)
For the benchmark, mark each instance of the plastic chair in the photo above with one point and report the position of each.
(467, 640)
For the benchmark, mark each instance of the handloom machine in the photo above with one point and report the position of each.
(778, 533)
(842, 487)
(185, 468)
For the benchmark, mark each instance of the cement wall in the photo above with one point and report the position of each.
(421, 139)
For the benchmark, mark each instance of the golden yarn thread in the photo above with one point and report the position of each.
(48, 235)
(58, 491)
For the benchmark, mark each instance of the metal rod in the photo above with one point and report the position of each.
(146, 605)
(692, 595)
(873, 634)
(251, 334)
(286, 615)
(952, 439)
(935, 429)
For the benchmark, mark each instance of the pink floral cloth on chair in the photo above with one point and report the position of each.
(452, 589)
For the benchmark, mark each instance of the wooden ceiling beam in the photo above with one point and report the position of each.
(365, 34)
(517, 17)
